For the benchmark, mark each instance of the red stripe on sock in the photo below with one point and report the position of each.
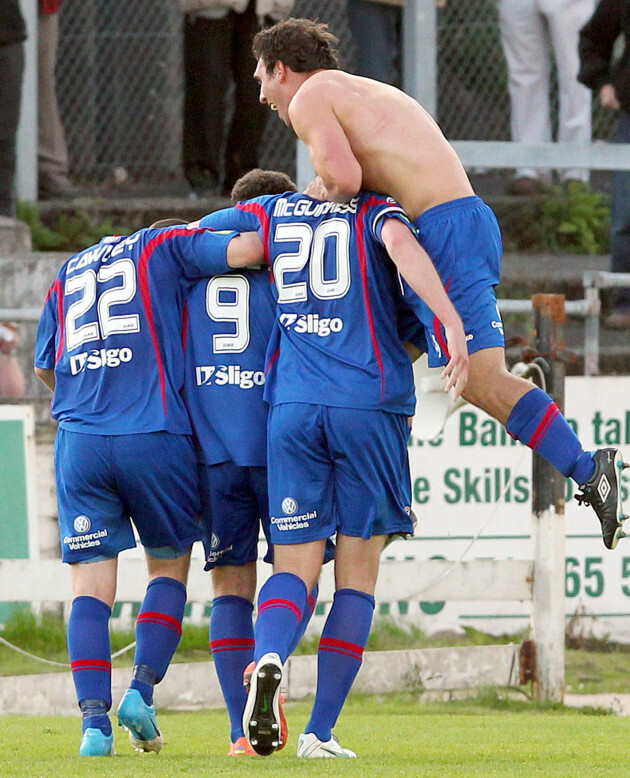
(541, 430)
(281, 604)
(164, 619)
(342, 646)
(358, 657)
(91, 664)
(232, 644)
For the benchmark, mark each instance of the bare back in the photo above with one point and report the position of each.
(400, 148)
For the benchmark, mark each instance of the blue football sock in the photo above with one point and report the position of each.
(311, 602)
(536, 421)
(158, 631)
(95, 716)
(281, 603)
(90, 658)
(232, 646)
(339, 658)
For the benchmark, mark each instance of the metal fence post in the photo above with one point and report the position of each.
(420, 53)
(591, 323)
(26, 173)
(548, 526)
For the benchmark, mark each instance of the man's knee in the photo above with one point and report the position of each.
(168, 565)
(303, 560)
(239, 581)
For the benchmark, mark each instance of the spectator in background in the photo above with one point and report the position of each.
(376, 27)
(218, 38)
(610, 81)
(52, 152)
(377, 32)
(530, 31)
(12, 382)
(12, 36)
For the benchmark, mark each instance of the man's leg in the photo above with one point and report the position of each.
(94, 589)
(528, 413)
(574, 119)
(11, 70)
(532, 417)
(232, 638)
(282, 602)
(52, 151)
(158, 632)
(527, 50)
(620, 230)
(343, 640)
(376, 32)
(249, 114)
(206, 79)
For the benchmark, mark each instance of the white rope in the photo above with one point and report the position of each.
(32, 656)
(124, 650)
(50, 661)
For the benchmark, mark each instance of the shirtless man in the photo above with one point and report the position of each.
(363, 134)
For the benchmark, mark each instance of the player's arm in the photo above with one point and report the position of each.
(315, 123)
(245, 249)
(418, 270)
(208, 253)
(45, 342)
(47, 375)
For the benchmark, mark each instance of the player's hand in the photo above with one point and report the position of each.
(316, 189)
(608, 97)
(456, 372)
(9, 338)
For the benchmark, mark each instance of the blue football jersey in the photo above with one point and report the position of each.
(230, 318)
(112, 329)
(335, 341)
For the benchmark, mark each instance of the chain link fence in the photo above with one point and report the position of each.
(120, 87)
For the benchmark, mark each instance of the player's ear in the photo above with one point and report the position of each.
(280, 71)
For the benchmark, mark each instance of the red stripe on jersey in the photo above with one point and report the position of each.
(263, 217)
(272, 361)
(61, 325)
(366, 292)
(541, 429)
(281, 604)
(439, 330)
(185, 327)
(153, 617)
(145, 291)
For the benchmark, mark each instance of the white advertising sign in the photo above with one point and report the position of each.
(472, 496)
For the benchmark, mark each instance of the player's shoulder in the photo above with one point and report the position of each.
(322, 81)
(378, 198)
(92, 255)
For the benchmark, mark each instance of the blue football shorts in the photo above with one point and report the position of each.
(463, 239)
(234, 507)
(337, 470)
(104, 482)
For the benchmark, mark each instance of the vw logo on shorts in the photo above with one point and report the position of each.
(289, 506)
(214, 543)
(82, 524)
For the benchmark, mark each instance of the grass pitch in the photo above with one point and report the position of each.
(393, 736)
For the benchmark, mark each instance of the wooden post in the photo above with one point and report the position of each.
(548, 526)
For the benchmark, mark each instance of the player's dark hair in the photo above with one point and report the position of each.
(259, 182)
(170, 222)
(301, 44)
